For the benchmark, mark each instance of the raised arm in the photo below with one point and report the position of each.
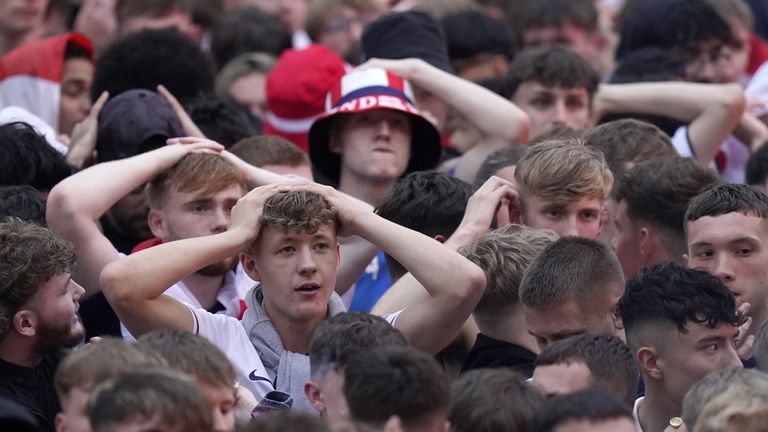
(76, 204)
(712, 111)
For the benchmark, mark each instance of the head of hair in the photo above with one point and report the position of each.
(205, 173)
(502, 158)
(344, 334)
(657, 192)
(192, 354)
(760, 349)
(592, 405)
(492, 400)
(97, 362)
(714, 384)
(553, 66)
(466, 44)
(127, 9)
(394, 380)
(610, 362)
(429, 202)
(30, 255)
(504, 254)
(741, 406)
(757, 167)
(319, 10)
(557, 133)
(170, 399)
(582, 14)
(240, 66)
(734, 11)
(563, 171)
(627, 141)
(222, 119)
(694, 21)
(265, 150)
(23, 202)
(669, 295)
(572, 268)
(27, 159)
(150, 57)
(245, 30)
(287, 421)
(728, 198)
(298, 210)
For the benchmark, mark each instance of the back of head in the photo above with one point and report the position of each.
(151, 57)
(168, 401)
(757, 168)
(587, 405)
(429, 202)
(611, 363)
(205, 173)
(563, 171)
(492, 400)
(572, 268)
(245, 30)
(504, 254)
(298, 210)
(386, 381)
(668, 297)
(29, 256)
(23, 202)
(222, 119)
(27, 159)
(342, 335)
(626, 142)
(287, 421)
(240, 66)
(715, 384)
(658, 192)
(740, 407)
(263, 150)
(465, 43)
(554, 66)
(192, 354)
(498, 160)
(728, 198)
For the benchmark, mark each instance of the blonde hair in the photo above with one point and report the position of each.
(741, 407)
(563, 171)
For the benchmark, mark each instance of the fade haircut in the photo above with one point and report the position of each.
(558, 13)
(344, 334)
(669, 295)
(30, 255)
(727, 198)
(192, 354)
(657, 192)
(553, 66)
(610, 362)
(572, 268)
(499, 160)
(319, 10)
(269, 150)
(492, 400)
(740, 407)
(97, 362)
(563, 171)
(126, 9)
(504, 254)
(628, 141)
(761, 347)
(714, 384)
(204, 173)
(167, 398)
(298, 210)
(386, 381)
(429, 202)
(586, 405)
(23, 202)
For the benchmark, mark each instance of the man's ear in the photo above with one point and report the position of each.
(314, 396)
(59, 423)
(648, 241)
(685, 260)
(648, 360)
(618, 324)
(25, 322)
(249, 265)
(156, 222)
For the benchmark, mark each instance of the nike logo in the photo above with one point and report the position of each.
(253, 377)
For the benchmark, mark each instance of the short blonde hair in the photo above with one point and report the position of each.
(741, 407)
(563, 171)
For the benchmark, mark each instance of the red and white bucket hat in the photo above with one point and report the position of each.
(366, 90)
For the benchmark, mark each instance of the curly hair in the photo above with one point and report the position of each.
(298, 210)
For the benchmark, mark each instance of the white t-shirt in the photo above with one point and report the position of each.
(733, 154)
(635, 409)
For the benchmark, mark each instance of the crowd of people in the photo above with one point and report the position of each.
(384, 215)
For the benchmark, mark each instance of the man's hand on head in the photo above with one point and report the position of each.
(177, 148)
(348, 209)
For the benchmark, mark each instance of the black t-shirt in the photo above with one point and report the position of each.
(33, 387)
(493, 353)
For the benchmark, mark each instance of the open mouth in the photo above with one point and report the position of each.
(308, 287)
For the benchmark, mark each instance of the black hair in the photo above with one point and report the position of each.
(757, 166)
(26, 158)
(222, 120)
(465, 41)
(590, 405)
(248, 29)
(557, 13)
(500, 159)
(553, 66)
(728, 198)
(150, 57)
(23, 202)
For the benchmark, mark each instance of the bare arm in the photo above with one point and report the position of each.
(711, 110)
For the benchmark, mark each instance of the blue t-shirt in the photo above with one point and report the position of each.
(371, 285)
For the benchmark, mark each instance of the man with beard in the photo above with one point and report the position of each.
(38, 315)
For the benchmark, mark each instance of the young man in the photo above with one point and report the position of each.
(681, 324)
(20, 20)
(727, 236)
(287, 236)
(652, 199)
(338, 24)
(562, 185)
(39, 302)
(572, 287)
(134, 16)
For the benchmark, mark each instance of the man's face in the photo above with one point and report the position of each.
(735, 57)
(550, 107)
(56, 304)
(626, 244)
(75, 93)
(190, 214)
(21, 16)
(331, 401)
(374, 145)
(733, 248)
(565, 320)
(129, 215)
(703, 61)
(579, 40)
(72, 417)
(297, 271)
(562, 378)
(581, 218)
(685, 358)
(251, 91)
(222, 398)
(342, 30)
